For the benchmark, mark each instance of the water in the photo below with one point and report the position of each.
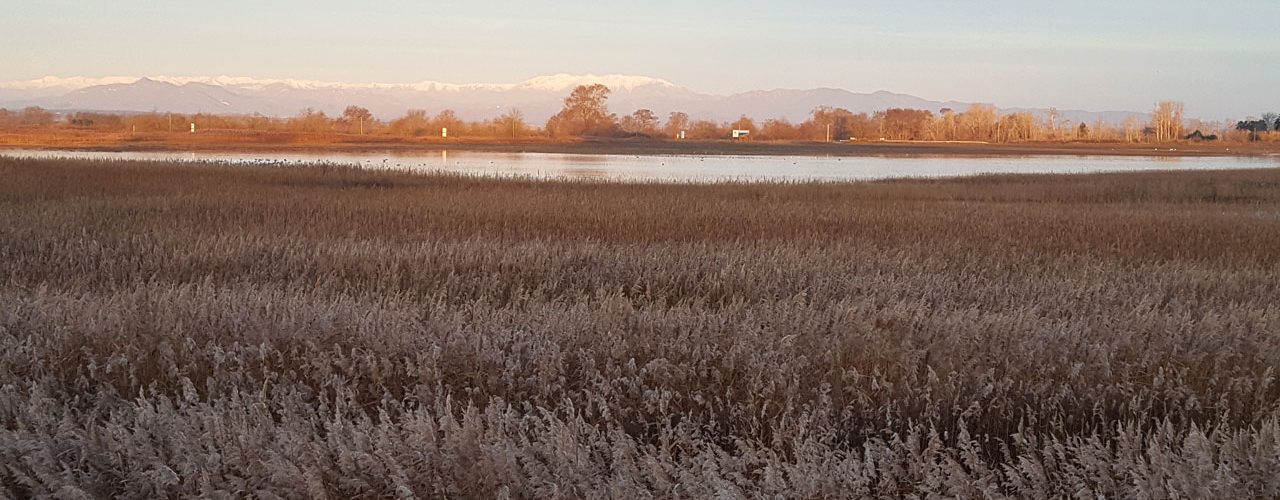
(697, 168)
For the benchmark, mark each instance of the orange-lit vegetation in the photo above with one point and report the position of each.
(354, 121)
(586, 113)
(180, 330)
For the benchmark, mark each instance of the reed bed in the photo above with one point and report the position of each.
(329, 332)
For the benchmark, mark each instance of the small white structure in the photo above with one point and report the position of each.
(741, 134)
(444, 132)
(193, 127)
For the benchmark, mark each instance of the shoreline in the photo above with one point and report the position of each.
(225, 144)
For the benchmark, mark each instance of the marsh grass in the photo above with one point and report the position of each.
(178, 329)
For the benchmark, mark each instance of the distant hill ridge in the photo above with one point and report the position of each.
(538, 98)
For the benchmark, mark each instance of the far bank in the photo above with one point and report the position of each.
(241, 141)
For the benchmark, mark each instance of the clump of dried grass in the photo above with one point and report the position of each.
(324, 331)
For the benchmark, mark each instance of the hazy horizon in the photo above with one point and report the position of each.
(1086, 55)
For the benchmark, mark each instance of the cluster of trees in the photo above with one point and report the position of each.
(29, 117)
(586, 113)
(353, 120)
(1257, 128)
(414, 123)
(418, 123)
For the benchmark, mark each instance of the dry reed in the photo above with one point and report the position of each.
(183, 330)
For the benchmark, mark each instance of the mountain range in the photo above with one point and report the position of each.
(537, 98)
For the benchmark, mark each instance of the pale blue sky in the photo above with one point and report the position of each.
(1221, 58)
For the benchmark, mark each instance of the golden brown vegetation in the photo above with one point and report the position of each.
(325, 331)
(586, 114)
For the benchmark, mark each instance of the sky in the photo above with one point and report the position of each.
(1221, 58)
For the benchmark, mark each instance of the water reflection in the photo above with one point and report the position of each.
(587, 159)
(586, 173)
(695, 168)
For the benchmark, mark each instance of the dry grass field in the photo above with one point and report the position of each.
(181, 330)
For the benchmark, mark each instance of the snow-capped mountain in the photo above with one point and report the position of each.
(557, 82)
(538, 98)
(616, 83)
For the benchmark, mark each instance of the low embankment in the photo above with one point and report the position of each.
(215, 140)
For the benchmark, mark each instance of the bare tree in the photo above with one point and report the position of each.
(310, 120)
(414, 123)
(908, 124)
(512, 121)
(820, 124)
(978, 122)
(779, 130)
(946, 124)
(641, 122)
(585, 113)
(744, 123)
(677, 122)
(1166, 121)
(356, 118)
(1132, 131)
(448, 119)
(35, 115)
(1052, 120)
(706, 129)
(827, 123)
(1017, 127)
(1272, 120)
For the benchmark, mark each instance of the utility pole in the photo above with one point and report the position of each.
(170, 115)
(361, 125)
(828, 132)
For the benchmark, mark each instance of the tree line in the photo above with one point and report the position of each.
(353, 120)
(585, 113)
(1257, 128)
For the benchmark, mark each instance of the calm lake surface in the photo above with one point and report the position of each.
(696, 168)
